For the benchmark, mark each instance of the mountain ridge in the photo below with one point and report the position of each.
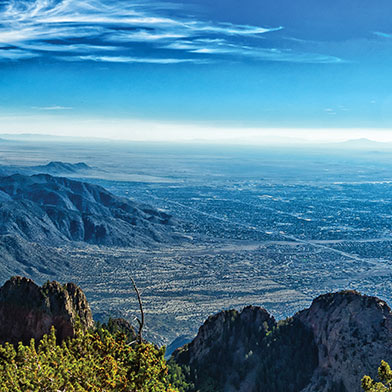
(41, 214)
(69, 210)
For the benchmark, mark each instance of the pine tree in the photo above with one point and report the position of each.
(385, 376)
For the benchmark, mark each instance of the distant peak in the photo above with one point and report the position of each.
(67, 165)
(361, 141)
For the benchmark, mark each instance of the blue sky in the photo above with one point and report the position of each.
(196, 69)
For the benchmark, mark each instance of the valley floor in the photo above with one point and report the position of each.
(182, 286)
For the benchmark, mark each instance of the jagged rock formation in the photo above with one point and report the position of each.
(230, 329)
(53, 210)
(29, 311)
(248, 351)
(326, 348)
(353, 334)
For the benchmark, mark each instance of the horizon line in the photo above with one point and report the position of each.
(243, 141)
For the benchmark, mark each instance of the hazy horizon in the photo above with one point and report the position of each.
(277, 137)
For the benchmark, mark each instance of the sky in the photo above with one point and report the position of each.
(197, 70)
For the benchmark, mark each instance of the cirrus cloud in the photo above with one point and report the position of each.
(75, 30)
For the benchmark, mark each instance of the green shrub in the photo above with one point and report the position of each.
(91, 361)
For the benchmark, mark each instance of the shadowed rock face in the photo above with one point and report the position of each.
(326, 348)
(230, 328)
(29, 311)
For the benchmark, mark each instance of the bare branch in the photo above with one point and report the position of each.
(140, 322)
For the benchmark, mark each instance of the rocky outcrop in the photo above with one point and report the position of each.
(353, 333)
(226, 345)
(326, 348)
(230, 329)
(29, 311)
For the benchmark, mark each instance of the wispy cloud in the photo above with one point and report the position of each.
(7, 54)
(134, 32)
(224, 47)
(381, 34)
(54, 107)
(124, 59)
(143, 36)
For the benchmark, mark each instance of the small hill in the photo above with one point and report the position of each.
(64, 168)
(326, 348)
(362, 144)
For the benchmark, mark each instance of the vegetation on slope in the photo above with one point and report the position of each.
(90, 361)
(385, 384)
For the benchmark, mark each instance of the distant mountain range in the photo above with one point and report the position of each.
(326, 348)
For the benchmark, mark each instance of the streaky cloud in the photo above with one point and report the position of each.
(381, 34)
(143, 36)
(54, 107)
(223, 47)
(230, 29)
(16, 54)
(134, 31)
(125, 59)
(75, 48)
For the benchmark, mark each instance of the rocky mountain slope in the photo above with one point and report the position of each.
(54, 210)
(326, 348)
(29, 311)
(353, 333)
